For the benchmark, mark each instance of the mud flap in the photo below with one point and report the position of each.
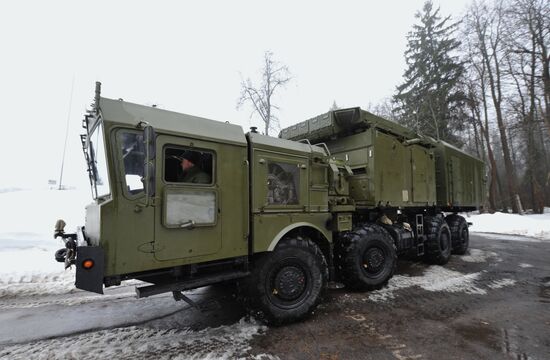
(90, 279)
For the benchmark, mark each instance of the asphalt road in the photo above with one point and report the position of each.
(493, 303)
(502, 313)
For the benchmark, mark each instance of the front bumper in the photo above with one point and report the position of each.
(89, 260)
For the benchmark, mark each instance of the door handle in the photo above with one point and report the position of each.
(187, 225)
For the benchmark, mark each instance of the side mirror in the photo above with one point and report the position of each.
(149, 139)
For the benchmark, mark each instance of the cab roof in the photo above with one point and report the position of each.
(269, 142)
(165, 121)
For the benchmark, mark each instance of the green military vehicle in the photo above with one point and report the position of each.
(182, 202)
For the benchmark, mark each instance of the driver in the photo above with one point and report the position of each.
(192, 173)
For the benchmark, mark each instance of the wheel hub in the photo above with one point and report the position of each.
(289, 283)
(373, 260)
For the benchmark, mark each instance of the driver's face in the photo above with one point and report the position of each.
(186, 164)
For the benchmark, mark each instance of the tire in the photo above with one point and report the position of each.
(438, 245)
(287, 284)
(459, 233)
(366, 257)
(60, 255)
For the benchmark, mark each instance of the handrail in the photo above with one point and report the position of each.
(307, 142)
(324, 146)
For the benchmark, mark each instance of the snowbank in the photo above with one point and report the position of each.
(224, 342)
(536, 226)
(27, 246)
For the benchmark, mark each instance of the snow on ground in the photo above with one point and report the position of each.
(498, 284)
(36, 283)
(224, 342)
(535, 226)
(510, 237)
(438, 278)
(435, 278)
(479, 256)
(27, 246)
(27, 217)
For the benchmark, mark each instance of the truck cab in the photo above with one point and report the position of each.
(153, 222)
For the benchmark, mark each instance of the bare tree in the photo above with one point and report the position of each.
(488, 27)
(477, 102)
(526, 45)
(385, 108)
(260, 97)
(536, 15)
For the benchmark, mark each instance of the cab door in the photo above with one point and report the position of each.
(129, 222)
(188, 202)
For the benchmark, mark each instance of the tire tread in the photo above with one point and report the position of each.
(349, 247)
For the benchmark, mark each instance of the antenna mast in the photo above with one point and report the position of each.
(66, 136)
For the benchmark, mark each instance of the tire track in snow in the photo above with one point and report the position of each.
(224, 342)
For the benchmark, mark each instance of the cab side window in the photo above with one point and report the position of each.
(183, 165)
(133, 159)
(283, 183)
(188, 204)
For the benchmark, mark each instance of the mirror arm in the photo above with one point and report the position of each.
(142, 124)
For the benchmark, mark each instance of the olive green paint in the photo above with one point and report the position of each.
(135, 237)
(270, 228)
(372, 161)
(392, 165)
(460, 177)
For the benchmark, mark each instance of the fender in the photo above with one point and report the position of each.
(289, 228)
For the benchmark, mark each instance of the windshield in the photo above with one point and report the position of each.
(98, 162)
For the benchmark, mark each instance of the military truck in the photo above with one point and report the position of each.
(335, 198)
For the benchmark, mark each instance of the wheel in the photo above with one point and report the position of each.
(460, 235)
(438, 240)
(287, 284)
(366, 257)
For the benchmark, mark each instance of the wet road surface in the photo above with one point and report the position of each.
(493, 303)
(504, 312)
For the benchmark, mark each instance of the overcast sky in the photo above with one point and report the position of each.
(186, 57)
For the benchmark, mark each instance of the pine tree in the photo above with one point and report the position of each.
(430, 100)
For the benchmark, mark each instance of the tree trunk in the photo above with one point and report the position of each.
(540, 26)
(496, 95)
(532, 152)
